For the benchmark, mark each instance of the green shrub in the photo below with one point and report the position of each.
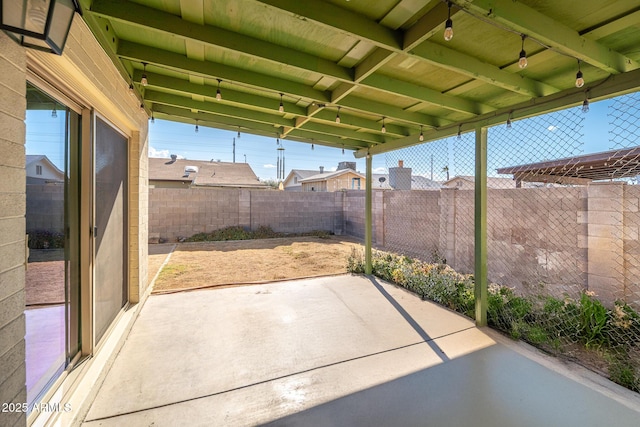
(593, 321)
(45, 239)
(241, 233)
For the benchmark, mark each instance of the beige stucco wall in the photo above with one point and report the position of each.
(12, 227)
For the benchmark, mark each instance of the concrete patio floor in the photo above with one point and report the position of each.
(336, 351)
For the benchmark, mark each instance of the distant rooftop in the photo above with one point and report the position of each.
(605, 165)
(206, 173)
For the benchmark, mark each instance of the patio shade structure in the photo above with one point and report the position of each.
(607, 165)
(370, 76)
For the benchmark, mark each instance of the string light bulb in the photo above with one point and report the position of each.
(459, 131)
(343, 149)
(384, 128)
(509, 121)
(54, 112)
(197, 128)
(281, 107)
(142, 106)
(579, 77)
(143, 80)
(153, 120)
(238, 133)
(522, 62)
(338, 116)
(131, 88)
(218, 93)
(312, 147)
(448, 26)
(421, 137)
(585, 105)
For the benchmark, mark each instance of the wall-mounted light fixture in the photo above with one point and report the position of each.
(39, 24)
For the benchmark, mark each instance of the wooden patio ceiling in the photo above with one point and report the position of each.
(383, 67)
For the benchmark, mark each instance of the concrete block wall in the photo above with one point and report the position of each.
(566, 239)
(183, 212)
(291, 212)
(533, 239)
(12, 228)
(631, 223)
(177, 212)
(354, 213)
(45, 207)
(414, 231)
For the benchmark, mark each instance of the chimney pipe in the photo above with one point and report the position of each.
(174, 157)
(321, 169)
(400, 163)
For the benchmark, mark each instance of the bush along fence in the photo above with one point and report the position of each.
(582, 329)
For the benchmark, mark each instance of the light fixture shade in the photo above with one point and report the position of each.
(39, 24)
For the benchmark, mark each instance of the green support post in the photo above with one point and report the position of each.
(480, 226)
(368, 214)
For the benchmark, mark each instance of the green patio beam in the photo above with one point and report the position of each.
(428, 25)
(217, 108)
(374, 61)
(222, 122)
(424, 94)
(351, 120)
(526, 20)
(613, 27)
(338, 142)
(336, 18)
(368, 216)
(175, 26)
(614, 85)
(480, 228)
(341, 131)
(475, 68)
(185, 87)
(177, 62)
(391, 112)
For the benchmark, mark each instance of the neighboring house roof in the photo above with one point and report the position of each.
(54, 172)
(417, 182)
(496, 183)
(207, 174)
(328, 175)
(301, 174)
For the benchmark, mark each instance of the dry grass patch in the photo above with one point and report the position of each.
(204, 264)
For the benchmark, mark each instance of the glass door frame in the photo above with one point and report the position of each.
(93, 117)
(73, 232)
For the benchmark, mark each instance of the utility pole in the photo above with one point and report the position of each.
(245, 158)
(234, 150)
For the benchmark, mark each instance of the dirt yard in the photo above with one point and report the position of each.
(45, 277)
(197, 265)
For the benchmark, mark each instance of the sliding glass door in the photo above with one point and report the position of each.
(52, 218)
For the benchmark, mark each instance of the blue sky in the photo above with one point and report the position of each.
(166, 138)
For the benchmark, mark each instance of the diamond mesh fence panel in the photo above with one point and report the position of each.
(563, 219)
